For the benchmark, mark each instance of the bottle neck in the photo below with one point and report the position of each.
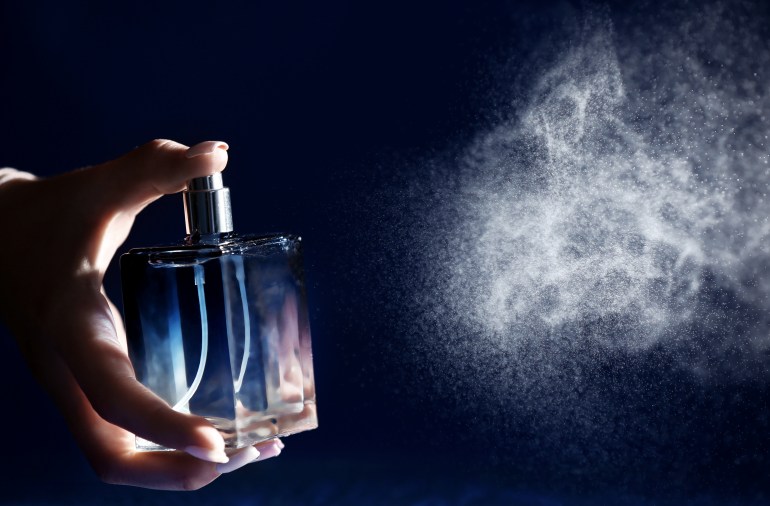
(209, 239)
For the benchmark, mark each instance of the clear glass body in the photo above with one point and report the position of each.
(219, 328)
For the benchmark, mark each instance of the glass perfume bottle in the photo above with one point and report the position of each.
(217, 325)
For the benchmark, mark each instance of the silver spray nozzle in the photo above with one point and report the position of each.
(207, 206)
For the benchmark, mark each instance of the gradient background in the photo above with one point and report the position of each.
(322, 103)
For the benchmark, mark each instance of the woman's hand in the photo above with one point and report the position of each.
(67, 230)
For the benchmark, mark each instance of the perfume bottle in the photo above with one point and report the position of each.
(217, 325)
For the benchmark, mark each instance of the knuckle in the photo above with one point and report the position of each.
(156, 148)
(157, 144)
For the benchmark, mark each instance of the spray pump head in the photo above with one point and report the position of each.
(207, 206)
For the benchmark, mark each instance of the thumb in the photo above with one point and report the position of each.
(152, 170)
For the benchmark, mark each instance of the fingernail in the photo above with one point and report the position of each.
(280, 444)
(238, 460)
(205, 148)
(206, 454)
(269, 451)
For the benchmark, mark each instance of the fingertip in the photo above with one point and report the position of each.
(202, 159)
(168, 165)
(206, 148)
(207, 444)
(239, 459)
(216, 456)
(269, 450)
(211, 436)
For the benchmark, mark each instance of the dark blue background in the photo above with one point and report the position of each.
(320, 103)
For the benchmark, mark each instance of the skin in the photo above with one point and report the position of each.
(87, 214)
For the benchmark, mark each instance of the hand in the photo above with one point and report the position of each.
(66, 230)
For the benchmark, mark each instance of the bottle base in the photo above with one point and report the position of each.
(254, 429)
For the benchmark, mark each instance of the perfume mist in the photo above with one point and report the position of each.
(217, 325)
